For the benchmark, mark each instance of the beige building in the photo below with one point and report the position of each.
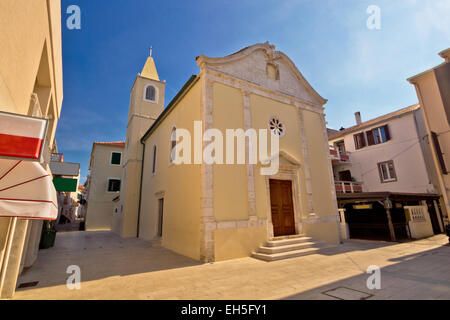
(104, 183)
(213, 212)
(433, 90)
(30, 84)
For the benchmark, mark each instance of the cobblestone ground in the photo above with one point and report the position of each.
(115, 268)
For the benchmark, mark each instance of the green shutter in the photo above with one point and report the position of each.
(65, 184)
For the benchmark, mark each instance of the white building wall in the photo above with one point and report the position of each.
(403, 149)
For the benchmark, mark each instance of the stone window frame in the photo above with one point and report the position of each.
(107, 184)
(156, 93)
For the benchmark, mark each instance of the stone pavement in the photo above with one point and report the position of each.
(115, 268)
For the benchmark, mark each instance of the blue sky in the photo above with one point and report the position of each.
(355, 68)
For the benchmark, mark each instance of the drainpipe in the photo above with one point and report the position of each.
(140, 190)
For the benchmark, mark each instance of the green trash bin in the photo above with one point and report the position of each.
(48, 236)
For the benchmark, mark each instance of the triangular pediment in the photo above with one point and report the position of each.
(284, 159)
(261, 64)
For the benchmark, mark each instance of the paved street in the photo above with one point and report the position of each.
(115, 268)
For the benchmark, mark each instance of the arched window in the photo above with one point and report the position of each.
(173, 144)
(150, 93)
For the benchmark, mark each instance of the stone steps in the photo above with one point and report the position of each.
(289, 247)
(279, 248)
(284, 242)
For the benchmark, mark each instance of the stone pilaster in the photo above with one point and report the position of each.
(207, 220)
(306, 168)
(253, 220)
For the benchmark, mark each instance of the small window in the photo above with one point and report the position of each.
(150, 93)
(173, 144)
(378, 135)
(154, 160)
(116, 158)
(387, 171)
(160, 216)
(113, 185)
(272, 71)
(340, 146)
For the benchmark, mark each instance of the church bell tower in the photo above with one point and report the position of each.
(146, 104)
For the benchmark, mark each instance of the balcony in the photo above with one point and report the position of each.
(348, 187)
(57, 157)
(65, 169)
(339, 156)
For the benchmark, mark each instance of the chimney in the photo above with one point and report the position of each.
(445, 55)
(358, 118)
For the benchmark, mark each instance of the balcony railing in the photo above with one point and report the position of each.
(348, 187)
(57, 157)
(338, 156)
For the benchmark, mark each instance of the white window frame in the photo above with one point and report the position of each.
(110, 158)
(156, 93)
(107, 184)
(386, 164)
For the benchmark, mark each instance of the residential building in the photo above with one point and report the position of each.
(433, 91)
(104, 183)
(213, 212)
(31, 87)
(387, 187)
(380, 154)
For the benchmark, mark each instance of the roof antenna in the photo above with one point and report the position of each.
(151, 50)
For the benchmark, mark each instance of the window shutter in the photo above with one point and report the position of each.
(439, 155)
(357, 142)
(370, 138)
(363, 140)
(360, 142)
(387, 132)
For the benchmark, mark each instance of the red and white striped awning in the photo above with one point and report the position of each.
(26, 191)
(21, 137)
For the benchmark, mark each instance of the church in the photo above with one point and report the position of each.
(213, 212)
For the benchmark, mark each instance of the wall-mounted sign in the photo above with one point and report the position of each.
(21, 137)
(65, 184)
(362, 206)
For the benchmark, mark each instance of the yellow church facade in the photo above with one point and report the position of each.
(213, 212)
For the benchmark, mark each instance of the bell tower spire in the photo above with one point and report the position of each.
(149, 70)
